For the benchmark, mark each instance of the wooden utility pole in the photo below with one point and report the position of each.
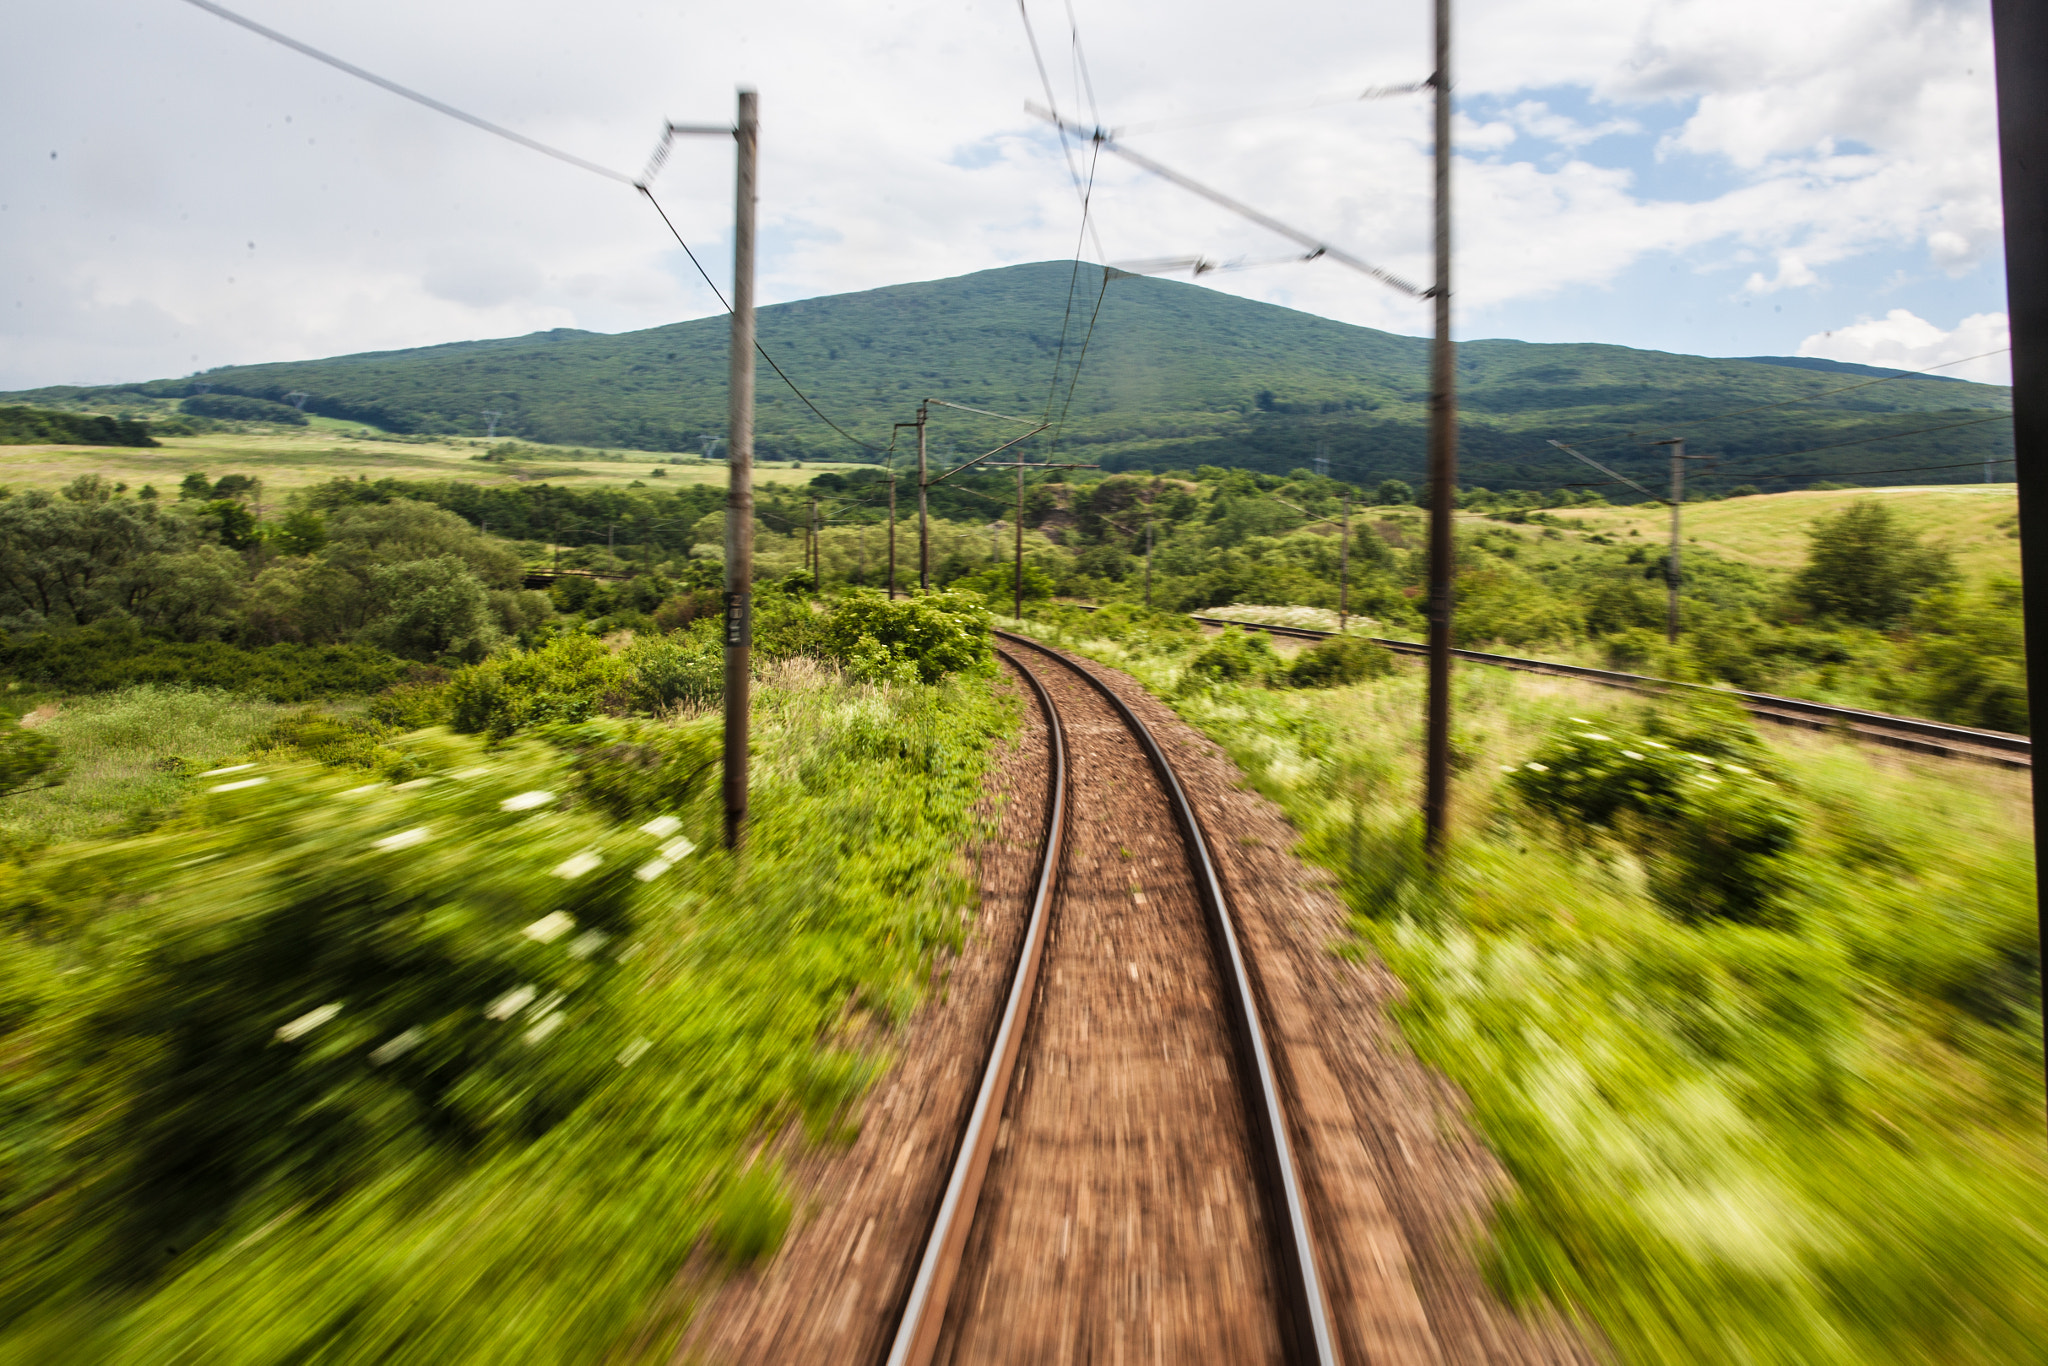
(811, 550)
(892, 532)
(1017, 557)
(924, 531)
(1671, 572)
(1443, 474)
(1344, 565)
(739, 496)
(2019, 31)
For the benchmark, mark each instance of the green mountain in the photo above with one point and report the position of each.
(1169, 376)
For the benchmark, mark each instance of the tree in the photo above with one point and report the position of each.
(1393, 493)
(303, 533)
(1862, 566)
(232, 522)
(431, 609)
(195, 487)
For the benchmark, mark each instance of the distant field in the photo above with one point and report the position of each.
(286, 461)
(1977, 522)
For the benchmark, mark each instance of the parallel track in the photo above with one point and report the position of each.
(1304, 1331)
(1900, 732)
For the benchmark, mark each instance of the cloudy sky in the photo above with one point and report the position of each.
(1725, 177)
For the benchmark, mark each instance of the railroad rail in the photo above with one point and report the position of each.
(1900, 732)
(931, 1307)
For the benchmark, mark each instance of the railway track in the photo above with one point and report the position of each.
(1900, 732)
(1125, 1187)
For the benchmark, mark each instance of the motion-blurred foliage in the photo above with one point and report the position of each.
(1761, 1057)
(459, 1069)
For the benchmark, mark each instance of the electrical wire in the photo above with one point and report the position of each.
(1908, 469)
(1870, 440)
(451, 111)
(1073, 280)
(1052, 102)
(307, 49)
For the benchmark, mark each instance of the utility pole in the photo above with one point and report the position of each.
(1443, 474)
(1344, 565)
(892, 531)
(1017, 556)
(1671, 572)
(739, 497)
(924, 532)
(811, 548)
(1148, 551)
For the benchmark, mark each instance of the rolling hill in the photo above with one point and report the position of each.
(1174, 376)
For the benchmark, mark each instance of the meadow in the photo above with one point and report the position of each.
(290, 460)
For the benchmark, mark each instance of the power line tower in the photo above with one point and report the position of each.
(491, 416)
(1322, 460)
(297, 398)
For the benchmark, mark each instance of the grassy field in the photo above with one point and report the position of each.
(292, 460)
(1977, 522)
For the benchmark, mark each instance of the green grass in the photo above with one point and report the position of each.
(1978, 523)
(128, 755)
(1819, 1147)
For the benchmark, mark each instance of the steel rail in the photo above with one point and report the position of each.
(924, 1309)
(1907, 732)
(1308, 1320)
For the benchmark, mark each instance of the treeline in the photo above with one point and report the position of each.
(22, 426)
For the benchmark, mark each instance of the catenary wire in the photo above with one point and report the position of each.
(307, 49)
(1052, 389)
(1052, 102)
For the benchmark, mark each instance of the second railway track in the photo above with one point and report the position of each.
(1126, 1187)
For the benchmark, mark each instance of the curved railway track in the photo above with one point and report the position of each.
(1900, 732)
(1125, 1186)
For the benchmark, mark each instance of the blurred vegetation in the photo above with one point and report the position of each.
(21, 426)
(361, 1016)
(1753, 1026)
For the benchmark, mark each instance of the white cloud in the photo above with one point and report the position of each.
(1902, 340)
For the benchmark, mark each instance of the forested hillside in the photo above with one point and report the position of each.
(1174, 376)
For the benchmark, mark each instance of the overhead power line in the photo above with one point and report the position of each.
(1105, 139)
(403, 92)
(669, 131)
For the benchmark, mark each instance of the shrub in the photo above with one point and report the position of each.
(26, 755)
(685, 667)
(571, 678)
(1713, 832)
(1339, 663)
(684, 608)
(908, 640)
(105, 658)
(1236, 656)
(1864, 567)
(236, 408)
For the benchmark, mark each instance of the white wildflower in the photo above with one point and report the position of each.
(404, 839)
(550, 927)
(1507, 768)
(1736, 768)
(1632, 754)
(526, 801)
(652, 869)
(1701, 758)
(510, 1004)
(236, 787)
(309, 1021)
(359, 791)
(547, 1026)
(1535, 767)
(1580, 719)
(1655, 745)
(397, 1046)
(630, 1054)
(661, 827)
(548, 1003)
(678, 847)
(469, 773)
(1591, 736)
(576, 865)
(231, 768)
(587, 943)
(415, 783)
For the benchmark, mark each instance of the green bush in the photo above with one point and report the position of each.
(571, 678)
(908, 640)
(688, 666)
(1236, 656)
(1339, 663)
(997, 584)
(25, 757)
(1713, 832)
